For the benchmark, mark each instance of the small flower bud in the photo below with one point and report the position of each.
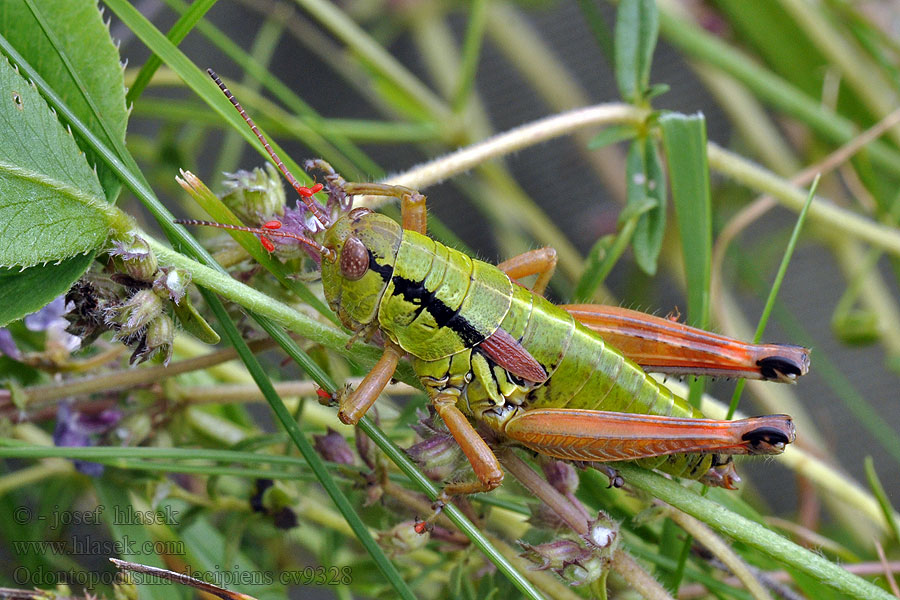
(544, 517)
(255, 194)
(554, 555)
(561, 475)
(135, 314)
(403, 538)
(366, 450)
(584, 572)
(271, 499)
(332, 446)
(159, 338)
(172, 284)
(439, 456)
(134, 258)
(124, 587)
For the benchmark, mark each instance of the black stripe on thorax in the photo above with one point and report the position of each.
(417, 294)
(384, 270)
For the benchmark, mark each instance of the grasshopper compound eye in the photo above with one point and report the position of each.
(354, 259)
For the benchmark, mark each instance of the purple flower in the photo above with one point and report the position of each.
(8, 345)
(76, 430)
(50, 320)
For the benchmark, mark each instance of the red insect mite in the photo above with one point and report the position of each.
(272, 225)
(323, 394)
(267, 244)
(307, 192)
(420, 527)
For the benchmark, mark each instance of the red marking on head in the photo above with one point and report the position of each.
(272, 225)
(267, 244)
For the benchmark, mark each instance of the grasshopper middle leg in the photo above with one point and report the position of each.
(540, 262)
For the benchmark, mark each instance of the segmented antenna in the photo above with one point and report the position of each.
(269, 229)
(304, 192)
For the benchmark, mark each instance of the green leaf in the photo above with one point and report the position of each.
(130, 535)
(648, 235)
(883, 500)
(51, 204)
(80, 34)
(70, 46)
(657, 89)
(684, 139)
(612, 135)
(645, 182)
(24, 292)
(193, 322)
(637, 26)
(198, 81)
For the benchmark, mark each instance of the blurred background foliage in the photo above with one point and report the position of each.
(379, 87)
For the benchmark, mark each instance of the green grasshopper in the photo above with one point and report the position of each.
(492, 352)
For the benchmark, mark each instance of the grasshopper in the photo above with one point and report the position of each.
(563, 381)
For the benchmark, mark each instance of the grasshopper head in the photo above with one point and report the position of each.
(363, 247)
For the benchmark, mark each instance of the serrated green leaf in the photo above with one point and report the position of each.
(75, 34)
(24, 292)
(79, 32)
(51, 204)
(637, 27)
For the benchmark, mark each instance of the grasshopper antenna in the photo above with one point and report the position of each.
(267, 230)
(304, 192)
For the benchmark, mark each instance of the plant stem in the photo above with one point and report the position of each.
(129, 378)
(439, 169)
(792, 197)
(770, 88)
(720, 550)
(751, 533)
(622, 562)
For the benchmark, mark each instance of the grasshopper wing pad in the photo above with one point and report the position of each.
(666, 346)
(506, 351)
(601, 436)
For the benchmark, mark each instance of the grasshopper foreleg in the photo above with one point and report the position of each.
(412, 203)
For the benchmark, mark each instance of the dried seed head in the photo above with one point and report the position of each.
(554, 555)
